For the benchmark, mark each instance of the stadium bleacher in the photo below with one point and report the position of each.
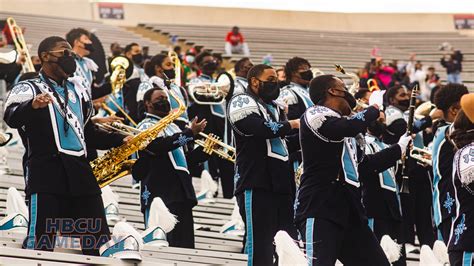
(323, 49)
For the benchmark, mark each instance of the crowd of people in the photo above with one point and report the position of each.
(351, 144)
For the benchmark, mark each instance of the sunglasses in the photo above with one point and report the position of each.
(64, 52)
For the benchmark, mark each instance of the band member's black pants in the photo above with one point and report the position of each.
(327, 241)
(264, 214)
(224, 170)
(81, 217)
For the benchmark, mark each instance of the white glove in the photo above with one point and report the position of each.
(404, 141)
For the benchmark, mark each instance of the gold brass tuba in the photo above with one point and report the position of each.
(211, 144)
(115, 163)
(20, 45)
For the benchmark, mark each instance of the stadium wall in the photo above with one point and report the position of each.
(137, 13)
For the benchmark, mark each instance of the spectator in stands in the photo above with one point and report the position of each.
(453, 63)
(432, 79)
(383, 72)
(418, 75)
(234, 43)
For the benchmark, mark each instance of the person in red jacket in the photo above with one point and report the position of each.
(234, 43)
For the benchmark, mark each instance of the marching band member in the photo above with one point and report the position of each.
(329, 213)
(380, 191)
(242, 68)
(215, 114)
(447, 99)
(160, 69)
(417, 205)
(163, 170)
(54, 113)
(262, 176)
(298, 73)
(461, 244)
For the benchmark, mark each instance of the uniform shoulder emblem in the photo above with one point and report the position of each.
(145, 124)
(21, 92)
(465, 164)
(316, 115)
(288, 96)
(142, 89)
(241, 106)
(392, 114)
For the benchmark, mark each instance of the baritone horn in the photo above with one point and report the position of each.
(20, 45)
(212, 144)
(212, 93)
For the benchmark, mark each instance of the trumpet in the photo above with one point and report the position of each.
(422, 155)
(20, 45)
(212, 93)
(211, 144)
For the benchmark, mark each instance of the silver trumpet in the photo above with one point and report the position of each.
(422, 155)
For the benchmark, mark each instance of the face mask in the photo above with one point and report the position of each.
(377, 128)
(209, 67)
(37, 67)
(268, 91)
(404, 103)
(170, 73)
(89, 47)
(67, 64)
(161, 107)
(349, 99)
(137, 59)
(190, 59)
(307, 75)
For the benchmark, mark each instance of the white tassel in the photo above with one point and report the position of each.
(427, 257)
(208, 184)
(109, 197)
(441, 252)
(288, 252)
(16, 203)
(390, 248)
(236, 221)
(161, 216)
(123, 229)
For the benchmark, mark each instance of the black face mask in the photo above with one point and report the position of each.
(89, 47)
(137, 59)
(377, 128)
(170, 74)
(268, 91)
(161, 107)
(404, 103)
(307, 75)
(349, 99)
(37, 67)
(209, 67)
(67, 64)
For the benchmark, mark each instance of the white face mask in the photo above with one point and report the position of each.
(190, 59)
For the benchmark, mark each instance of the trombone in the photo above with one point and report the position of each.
(20, 45)
(212, 144)
(422, 155)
